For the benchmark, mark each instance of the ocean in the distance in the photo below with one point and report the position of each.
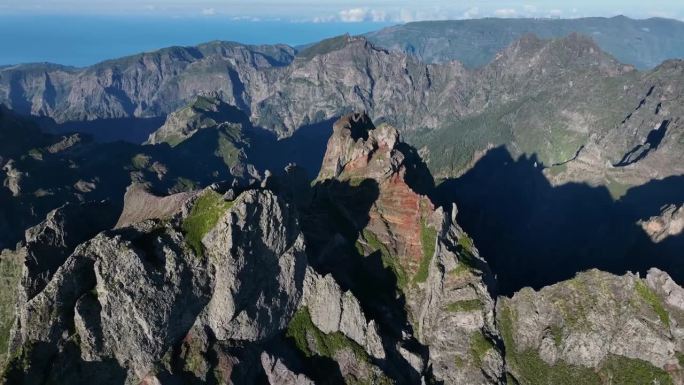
(82, 40)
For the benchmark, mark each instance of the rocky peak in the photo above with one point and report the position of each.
(333, 44)
(437, 270)
(49, 243)
(201, 113)
(358, 149)
(574, 52)
(595, 326)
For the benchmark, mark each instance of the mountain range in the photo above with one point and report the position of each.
(475, 42)
(365, 209)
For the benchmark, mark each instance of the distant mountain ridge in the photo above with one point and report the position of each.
(475, 42)
(552, 98)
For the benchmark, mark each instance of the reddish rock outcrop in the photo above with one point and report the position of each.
(358, 150)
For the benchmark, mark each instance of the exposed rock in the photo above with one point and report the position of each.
(584, 91)
(49, 243)
(333, 310)
(13, 179)
(84, 186)
(359, 151)
(669, 223)
(438, 271)
(11, 263)
(596, 322)
(204, 112)
(140, 204)
(149, 294)
(65, 143)
(258, 253)
(133, 294)
(278, 373)
(143, 85)
(455, 313)
(631, 41)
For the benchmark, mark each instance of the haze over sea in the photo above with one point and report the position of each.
(85, 40)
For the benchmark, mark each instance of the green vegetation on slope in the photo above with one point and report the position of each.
(428, 237)
(479, 346)
(388, 261)
(529, 368)
(302, 330)
(628, 371)
(205, 213)
(465, 306)
(10, 275)
(650, 297)
(323, 47)
(452, 147)
(466, 256)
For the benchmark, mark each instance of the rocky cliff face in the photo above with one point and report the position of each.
(450, 113)
(231, 288)
(597, 328)
(234, 270)
(149, 84)
(436, 269)
(42, 171)
(359, 278)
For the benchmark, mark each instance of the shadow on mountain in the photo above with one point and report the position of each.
(534, 234)
(306, 147)
(332, 223)
(132, 130)
(50, 366)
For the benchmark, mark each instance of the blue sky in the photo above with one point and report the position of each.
(350, 10)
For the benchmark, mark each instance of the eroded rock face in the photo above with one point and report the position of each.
(13, 178)
(140, 205)
(258, 253)
(129, 295)
(132, 293)
(670, 222)
(438, 271)
(359, 151)
(50, 242)
(150, 291)
(334, 310)
(278, 373)
(595, 323)
(455, 310)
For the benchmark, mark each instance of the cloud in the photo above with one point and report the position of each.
(353, 15)
(555, 13)
(208, 11)
(356, 15)
(505, 12)
(471, 13)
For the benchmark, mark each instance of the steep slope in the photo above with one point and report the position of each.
(370, 184)
(536, 96)
(354, 75)
(119, 335)
(597, 328)
(545, 97)
(358, 278)
(475, 42)
(41, 171)
(646, 143)
(144, 85)
(228, 288)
